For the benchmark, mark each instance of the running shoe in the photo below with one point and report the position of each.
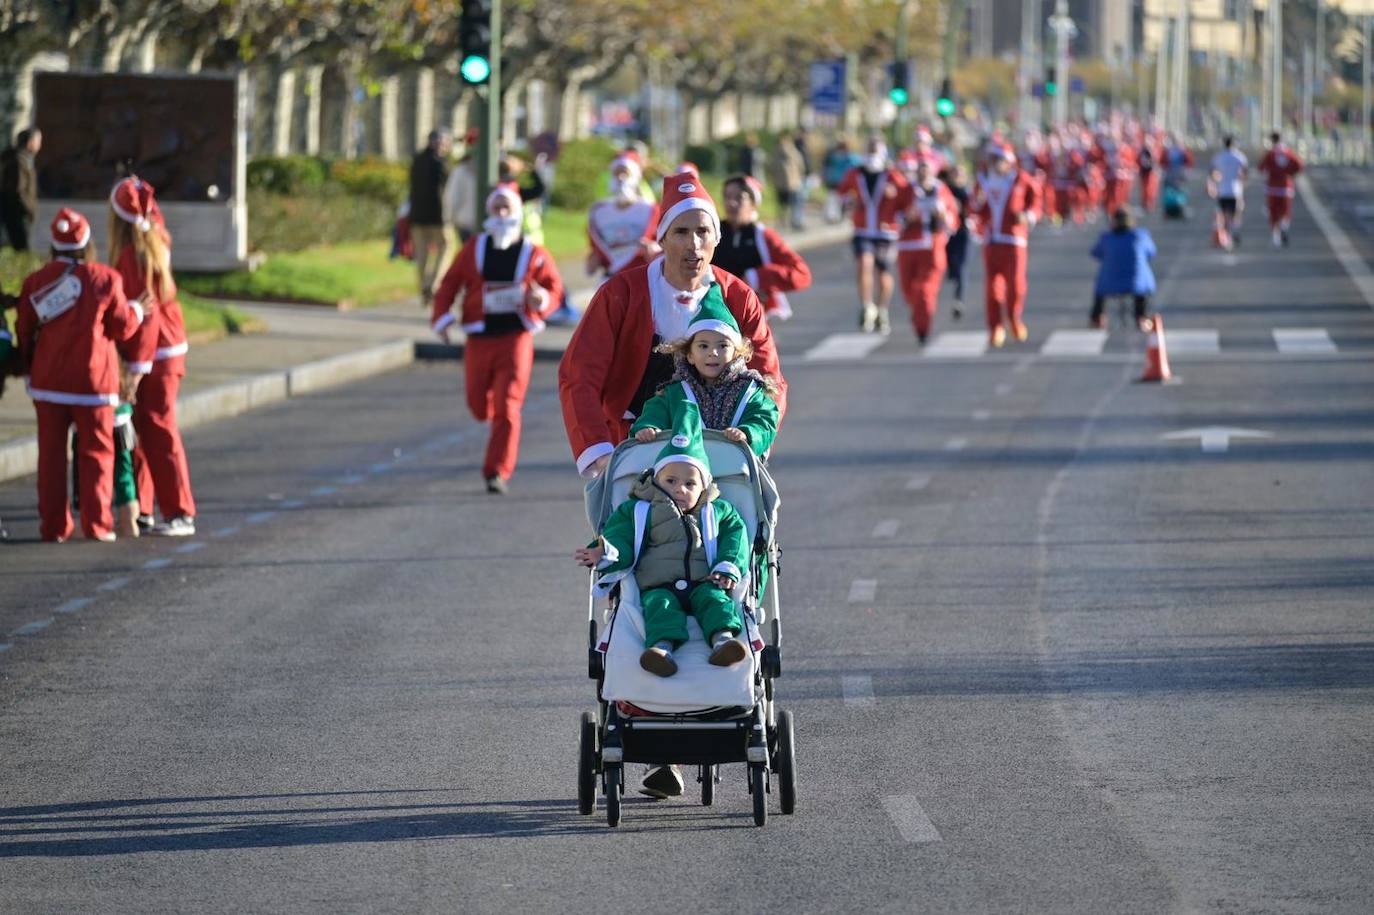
(180, 526)
(662, 782)
(998, 337)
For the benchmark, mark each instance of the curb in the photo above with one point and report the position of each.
(20, 458)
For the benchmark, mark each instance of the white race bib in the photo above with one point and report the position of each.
(56, 298)
(503, 298)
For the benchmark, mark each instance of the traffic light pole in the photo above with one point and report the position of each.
(901, 60)
(489, 120)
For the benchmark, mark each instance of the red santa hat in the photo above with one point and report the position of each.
(628, 159)
(132, 200)
(923, 135)
(1004, 151)
(70, 230)
(683, 192)
(691, 167)
(752, 186)
(510, 192)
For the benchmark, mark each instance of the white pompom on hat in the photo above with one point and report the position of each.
(133, 201)
(70, 230)
(683, 192)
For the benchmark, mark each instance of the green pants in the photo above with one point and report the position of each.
(666, 621)
(125, 487)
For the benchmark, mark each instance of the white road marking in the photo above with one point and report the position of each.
(888, 528)
(290, 504)
(918, 482)
(1303, 340)
(862, 590)
(1074, 343)
(189, 548)
(1215, 439)
(1003, 389)
(380, 467)
(161, 562)
(837, 347)
(982, 416)
(1192, 342)
(226, 531)
(912, 823)
(858, 691)
(1345, 252)
(35, 626)
(114, 584)
(1023, 365)
(75, 604)
(351, 479)
(956, 444)
(259, 517)
(956, 344)
(323, 491)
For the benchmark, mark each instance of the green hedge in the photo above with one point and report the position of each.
(580, 178)
(287, 174)
(14, 266)
(279, 222)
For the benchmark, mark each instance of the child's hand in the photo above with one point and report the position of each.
(735, 435)
(723, 581)
(646, 434)
(589, 556)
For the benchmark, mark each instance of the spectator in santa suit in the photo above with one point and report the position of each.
(1005, 205)
(755, 253)
(921, 248)
(140, 250)
(877, 193)
(72, 312)
(621, 226)
(610, 368)
(1280, 166)
(509, 286)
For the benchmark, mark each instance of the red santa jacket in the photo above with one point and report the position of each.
(616, 233)
(876, 214)
(768, 265)
(1067, 170)
(1280, 166)
(71, 315)
(534, 266)
(606, 358)
(1120, 162)
(159, 346)
(999, 205)
(919, 217)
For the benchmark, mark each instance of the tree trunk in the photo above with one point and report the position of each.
(284, 110)
(570, 126)
(389, 119)
(423, 108)
(314, 96)
(144, 57)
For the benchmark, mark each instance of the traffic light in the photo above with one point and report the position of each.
(474, 41)
(1051, 83)
(944, 102)
(900, 73)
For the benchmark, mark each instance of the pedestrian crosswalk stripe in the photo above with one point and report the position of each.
(844, 346)
(1192, 342)
(958, 343)
(910, 818)
(862, 590)
(1303, 340)
(1074, 343)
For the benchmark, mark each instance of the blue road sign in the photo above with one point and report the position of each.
(1076, 84)
(827, 87)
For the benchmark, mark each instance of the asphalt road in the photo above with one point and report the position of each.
(1041, 657)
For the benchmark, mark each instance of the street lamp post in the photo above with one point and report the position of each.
(1064, 30)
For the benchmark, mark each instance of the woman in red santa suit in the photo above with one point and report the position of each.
(71, 313)
(1005, 205)
(140, 249)
(755, 253)
(876, 193)
(509, 286)
(621, 226)
(610, 368)
(921, 247)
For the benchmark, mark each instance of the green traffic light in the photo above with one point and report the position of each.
(1051, 88)
(898, 96)
(475, 68)
(944, 107)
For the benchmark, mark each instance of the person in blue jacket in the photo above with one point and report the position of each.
(1125, 252)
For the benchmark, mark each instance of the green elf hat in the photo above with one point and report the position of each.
(686, 445)
(715, 315)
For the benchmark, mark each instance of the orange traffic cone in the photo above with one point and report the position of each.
(1156, 356)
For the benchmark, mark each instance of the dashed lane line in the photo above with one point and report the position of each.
(189, 548)
(114, 584)
(918, 482)
(383, 467)
(858, 691)
(982, 416)
(862, 590)
(351, 479)
(958, 344)
(841, 347)
(259, 517)
(323, 491)
(75, 604)
(1303, 340)
(1074, 343)
(1003, 389)
(161, 562)
(229, 531)
(1192, 342)
(956, 444)
(886, 529)
(292, 504)
(1345, 252)
(910, 818)
(35, 626)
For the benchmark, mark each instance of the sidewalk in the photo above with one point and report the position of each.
(307, 348)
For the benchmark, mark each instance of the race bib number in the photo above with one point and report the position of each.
(503, 298)
(56, 298)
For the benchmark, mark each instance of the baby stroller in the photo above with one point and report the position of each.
(702, 716)
(1175, 199)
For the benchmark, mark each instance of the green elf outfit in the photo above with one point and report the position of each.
(672, 553)
(125, 482)
(736, 398)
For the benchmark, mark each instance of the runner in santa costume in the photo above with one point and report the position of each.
(1280, 166)
(1119, 169)
(140, 250)
(1150, 161)
(610, 369)
(1066, 167)
(755, 253)
(621, 227)
(1005, 205)
(921, 248)
(509, 286)
(877, 194)
(71, 314)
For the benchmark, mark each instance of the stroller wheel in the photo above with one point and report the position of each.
(758, 787)
(613, 783)
(586, 765)
(707, 776)
(785, 764)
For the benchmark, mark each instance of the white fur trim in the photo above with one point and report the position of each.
(138, 309)
(698, 463)
(720, 327)
(140, 368)
(682, 206)
(169, 352)
(589, 457)
(444, 321)
(81, 241)
(74, 400)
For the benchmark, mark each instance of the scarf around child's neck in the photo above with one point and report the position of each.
(718, 399)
